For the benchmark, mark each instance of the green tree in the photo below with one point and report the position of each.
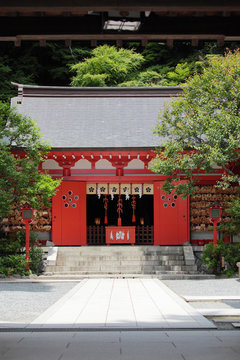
(35, 65)
(20, 179)
(108, 66)
(202, 126)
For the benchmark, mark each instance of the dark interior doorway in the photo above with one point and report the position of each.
(143, 212)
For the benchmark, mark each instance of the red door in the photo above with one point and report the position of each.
(171, 218)
(69, 214)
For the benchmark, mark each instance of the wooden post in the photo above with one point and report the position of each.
(223, 262)
(68, 42)
(170, 43)
(42, 43)
(27, 245)
(238, 265)
(215, 241)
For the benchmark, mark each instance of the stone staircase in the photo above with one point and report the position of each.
(121, 261)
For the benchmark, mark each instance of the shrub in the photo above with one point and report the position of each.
(212, 257)
(36, 260)
(12, 255)
(20, 237)
(9, 246)
(13, 264)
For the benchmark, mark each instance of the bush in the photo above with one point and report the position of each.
(13, 264)
(9, 246)
(20, 237)
(212, 257)
(36, 260)
(3, 267)
(12, 255)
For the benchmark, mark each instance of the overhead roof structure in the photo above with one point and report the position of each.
(115, 20)
(95, 118)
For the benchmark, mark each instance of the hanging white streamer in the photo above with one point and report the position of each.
(112, 195)
(127, 195)
(99, 193)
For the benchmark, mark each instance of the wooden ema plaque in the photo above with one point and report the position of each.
(120, 235)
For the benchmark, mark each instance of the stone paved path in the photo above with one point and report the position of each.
(121, 345)
(121, 303)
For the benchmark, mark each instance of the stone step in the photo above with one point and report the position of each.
(120, 253)
(165, 276)
(111, 272)
(110, 262)
(101, 250)
(120, 260)
(124, 268)
(62, 257)
(82, 273)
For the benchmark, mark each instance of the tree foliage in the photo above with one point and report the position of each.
(50, 65)
(202, 126)
(108, 66)
(34, 65)
(20, 179)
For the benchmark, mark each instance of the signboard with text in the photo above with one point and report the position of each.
(120, 235)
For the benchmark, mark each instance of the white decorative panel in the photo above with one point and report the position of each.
(135, 164)
(50, 164)
(82, 164)
(103, 164)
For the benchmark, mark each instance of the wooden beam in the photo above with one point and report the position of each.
(107, 5)
(144, 38)
(8, 38)
(232, 38)
(103, 37)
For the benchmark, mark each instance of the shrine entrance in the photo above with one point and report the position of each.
(102, 212)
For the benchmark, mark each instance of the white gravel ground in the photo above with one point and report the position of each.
(213, 287)
(24, 301)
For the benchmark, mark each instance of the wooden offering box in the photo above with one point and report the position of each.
(120, 235)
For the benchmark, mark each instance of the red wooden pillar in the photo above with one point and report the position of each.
(171, 218)
(67, 171)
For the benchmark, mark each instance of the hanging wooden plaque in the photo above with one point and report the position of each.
(91, 189)
(148, 189)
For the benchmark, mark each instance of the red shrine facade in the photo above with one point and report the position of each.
(122, 200)
(102, 145)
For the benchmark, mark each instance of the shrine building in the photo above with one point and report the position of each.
(102, 143)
